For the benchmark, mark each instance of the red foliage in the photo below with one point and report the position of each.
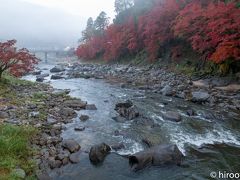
(155, 26)
(213, 30)
(16, 61)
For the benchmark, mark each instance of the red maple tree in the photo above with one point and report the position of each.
(17, 62)
(212, 29)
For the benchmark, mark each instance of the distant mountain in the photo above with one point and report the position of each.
(36, 26)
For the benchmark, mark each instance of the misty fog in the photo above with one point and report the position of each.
(37, 25)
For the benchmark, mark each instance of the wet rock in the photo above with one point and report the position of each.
(84, 117)
(199, 96)
(33, 114)
(75, 157)
(127, 110)
(3, 115)
(62, 155)
(43, 176)
(39, 79)
(57, 69)
(167, 91)
(51, 120)
(98, 153)
(79, 128)
(36, 72)
(54, 163)
(119, 119)
(190, 112)
(156, 156)
(55, 77)
(76, 104)
(67, 113)
(91, 107)
(118, 146)
(172, 116)
(71, 145)
(19, 173)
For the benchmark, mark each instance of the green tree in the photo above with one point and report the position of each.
(101, 23)
(123, 5)
(88, 33)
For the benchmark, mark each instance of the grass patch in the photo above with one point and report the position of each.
(15, 150)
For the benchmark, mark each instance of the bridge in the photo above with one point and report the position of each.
(47, 51)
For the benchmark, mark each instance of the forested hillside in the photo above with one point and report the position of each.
(166, 30)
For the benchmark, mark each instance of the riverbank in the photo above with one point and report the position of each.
(32, 116)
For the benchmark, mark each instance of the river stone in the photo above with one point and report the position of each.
(68, 113)
(167, 91)
(71, 145)
(79, 128)
(3, 115)
(19, 173)
(200, 97)
(84, 117)
(91, 107)
(76, 104)
(54, 163)
(98, 153)
(57, 69)
(75, 157)
(118, 146)
(55, 77)
(40, 79)
(156, 156)
(36, 72)
(172, 116)
(43, 176)
(127, 110)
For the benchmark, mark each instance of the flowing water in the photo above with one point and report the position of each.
(209, 143)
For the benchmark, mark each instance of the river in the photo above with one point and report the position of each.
(211, 144)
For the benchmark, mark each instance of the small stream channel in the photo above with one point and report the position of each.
(209, 144)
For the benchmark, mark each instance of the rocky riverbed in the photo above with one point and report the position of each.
(219, 92)
(206, 109)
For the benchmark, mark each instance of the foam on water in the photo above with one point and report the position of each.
(132, 147)
(211, 137)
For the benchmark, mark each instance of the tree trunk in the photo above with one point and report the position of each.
(1, 72)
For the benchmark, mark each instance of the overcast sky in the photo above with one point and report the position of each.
(39, 23)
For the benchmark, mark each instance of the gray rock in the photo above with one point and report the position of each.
(36, 72)
(167, 91)
(91, 107)
(98, 153)
(127, 110)
(43, 176)
(172, 116)
(3, 115)
(84, 117)
(55, 77)
(79, 128)
(156, 156)
(39, 79)
(76, 104)
(67, 113)
(75, 157)
(200, 97)
(57, 69)
(55, 164)
(118, 146)
(71, 145)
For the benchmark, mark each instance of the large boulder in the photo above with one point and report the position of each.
(71, 145)
(200, 96)
(57, 69)
(127, 110)
(172, 116)
(156, 156)
(98, 153)
(76, 104)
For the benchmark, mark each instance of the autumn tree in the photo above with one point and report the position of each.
(17, 62)
(212, 29)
